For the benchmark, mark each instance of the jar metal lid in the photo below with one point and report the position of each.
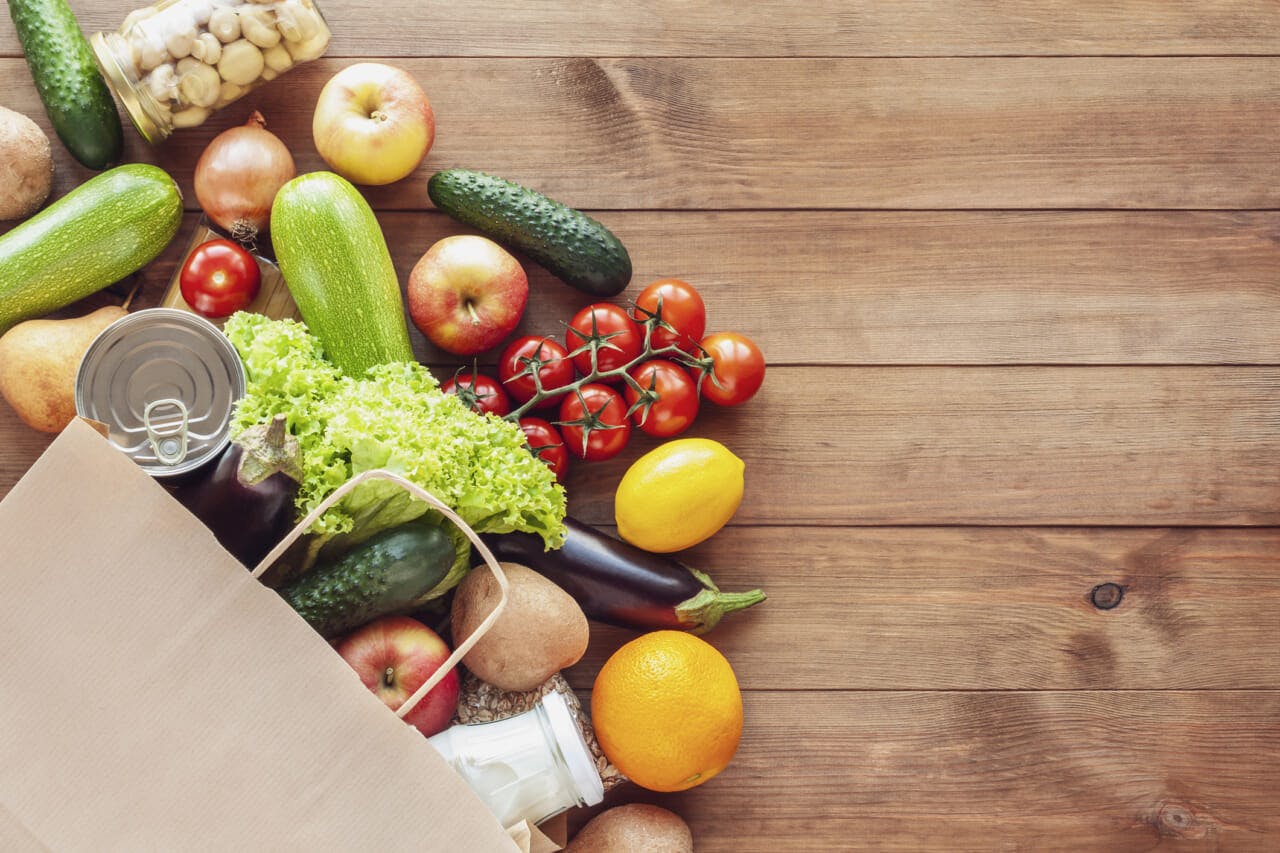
(573, 749)
(164, 382)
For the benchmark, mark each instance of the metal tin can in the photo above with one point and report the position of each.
(164, 382)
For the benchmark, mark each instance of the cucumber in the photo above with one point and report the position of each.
(67, 78)
(571, 245)
(381, 576)
(336, 265)
(93, 236)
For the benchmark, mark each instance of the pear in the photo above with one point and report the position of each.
(39, 360)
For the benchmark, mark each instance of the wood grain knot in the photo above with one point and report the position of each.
(1175, 820)
(1106, 596)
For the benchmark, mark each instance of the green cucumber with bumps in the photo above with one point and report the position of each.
(68, 81)
(385, 575)
(338, 269)
(95, 235)
(571, 245)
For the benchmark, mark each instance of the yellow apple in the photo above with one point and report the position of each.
(373, 124)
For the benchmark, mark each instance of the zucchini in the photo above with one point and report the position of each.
(336, 265)
(384, 575)
(66, 75)
(571, 245)
(93, 236)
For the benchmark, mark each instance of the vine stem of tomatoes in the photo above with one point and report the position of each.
(592, 344)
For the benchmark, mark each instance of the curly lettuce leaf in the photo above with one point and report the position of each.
(394, 417)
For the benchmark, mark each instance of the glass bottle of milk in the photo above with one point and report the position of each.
(528, 767)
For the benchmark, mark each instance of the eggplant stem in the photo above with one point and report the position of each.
(705, 610)
(268, 449)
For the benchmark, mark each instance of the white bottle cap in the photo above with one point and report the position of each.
(573, 748)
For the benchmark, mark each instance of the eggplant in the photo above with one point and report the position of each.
(248, 500)
(621, 584)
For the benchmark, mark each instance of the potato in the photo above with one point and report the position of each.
(26, 165)
(634, 828)
(541, 631)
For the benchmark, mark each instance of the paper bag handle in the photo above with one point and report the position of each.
(460, 651)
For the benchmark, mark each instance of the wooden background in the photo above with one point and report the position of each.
(1016, 268)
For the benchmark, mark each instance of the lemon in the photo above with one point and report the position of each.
(678, 494)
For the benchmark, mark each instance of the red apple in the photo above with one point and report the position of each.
(394, 656)
(373, 123)
(467, 294)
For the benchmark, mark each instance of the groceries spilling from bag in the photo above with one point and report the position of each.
(298, 345)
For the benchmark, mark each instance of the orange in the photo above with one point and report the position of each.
(667, 710)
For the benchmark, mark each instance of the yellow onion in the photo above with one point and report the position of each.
(238, 176)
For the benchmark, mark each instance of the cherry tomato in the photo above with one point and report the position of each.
(594, 422)
(532, 353)
(545, 442)
(479, 393)
(219, 279)
(679, 306)
(620, 339)
(669, 402)
(739, 369)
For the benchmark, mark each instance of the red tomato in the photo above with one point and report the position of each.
(525, 356)
(678, 308)
(669, 402)
(738, 369)
(479, 393)
(219, 279)
(594, 422)
(545, 442)
(620, 340)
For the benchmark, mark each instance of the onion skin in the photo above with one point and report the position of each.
(238, 176)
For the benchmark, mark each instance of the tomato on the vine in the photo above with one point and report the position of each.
(668, 403)
(738, 367)
(679, 308)
(525, 356)
(545, 442)
(593, 421)
(219, 279)
(479, 393)
(619, 339)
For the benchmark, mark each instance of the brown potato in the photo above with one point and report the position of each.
(26, 165)
(541, 631)
(634, 828)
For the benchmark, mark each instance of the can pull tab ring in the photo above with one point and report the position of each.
(171, 445)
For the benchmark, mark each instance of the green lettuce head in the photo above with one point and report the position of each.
(395, 417)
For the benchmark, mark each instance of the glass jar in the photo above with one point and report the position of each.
(172, 64)
(528, 767)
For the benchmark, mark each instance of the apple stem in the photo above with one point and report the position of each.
(471, 309)
(389, 677)
(378, 115)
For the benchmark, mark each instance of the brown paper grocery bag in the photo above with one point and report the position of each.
(154, 696)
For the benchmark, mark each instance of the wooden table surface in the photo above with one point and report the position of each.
(1015, 265)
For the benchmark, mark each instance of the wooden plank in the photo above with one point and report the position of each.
(994, 771)
(774, 28)
(991, 609)
(817, 133)
(947, 288)
(1006, 446)
(930, 288)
